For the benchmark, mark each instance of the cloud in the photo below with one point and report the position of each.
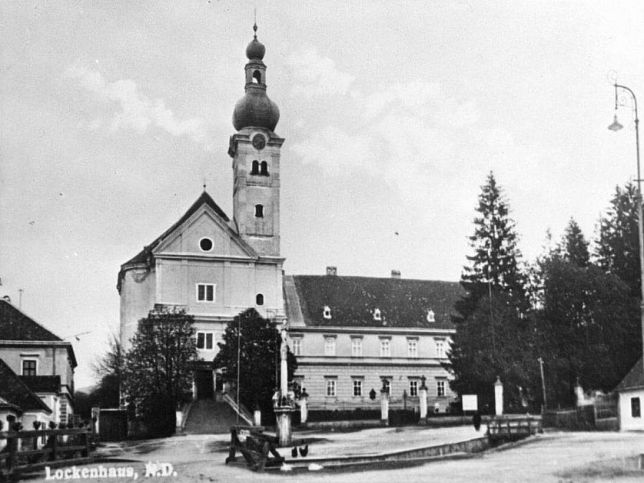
(135, 110)
(317, 75)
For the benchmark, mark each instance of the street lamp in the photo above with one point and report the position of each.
(616, 126)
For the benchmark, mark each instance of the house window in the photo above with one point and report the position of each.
(259, 299)
(205, 292)
(297, 346)
(440, 387)
(412, 347)
(331, 387)
(255, 168)
(259, 211)
(386, 384)
(326, 312)
(413, 387)
(357, 387)
(205, 244)
(440, 348)
(205, 340)
(264, 170)
(356, 347)
(329, 346)
(377, 315)
(636, 410)
(385, 348)
(431, 317)
(29, 367)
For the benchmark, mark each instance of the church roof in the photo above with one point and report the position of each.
(14, 325)
(205, 198)
(634, 379)
(355, 301)
(17, 393)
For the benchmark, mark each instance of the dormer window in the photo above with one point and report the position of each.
(264, 168)
(431, 317)
(255, 167)
(259, 211)
(377, 315)
(326, 312)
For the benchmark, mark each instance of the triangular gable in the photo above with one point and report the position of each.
(15, 325)
(204, 222)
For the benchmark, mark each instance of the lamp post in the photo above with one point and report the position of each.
(616, 126)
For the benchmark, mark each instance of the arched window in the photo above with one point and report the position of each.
(326, 312)
(377, 315)
(264, 170)
(259, 299)
(257, 77)
(255, 168)
(259, 211)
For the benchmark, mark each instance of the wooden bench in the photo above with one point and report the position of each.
(257, 448)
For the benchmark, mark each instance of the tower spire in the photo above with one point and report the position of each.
(255, 25)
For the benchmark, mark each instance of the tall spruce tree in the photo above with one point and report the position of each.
(574, 247)
(494, 266)
(493, 335)
(617, 247)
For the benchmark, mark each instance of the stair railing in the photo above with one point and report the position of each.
(243, 412)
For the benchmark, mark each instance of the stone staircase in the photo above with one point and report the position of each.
(208, 416)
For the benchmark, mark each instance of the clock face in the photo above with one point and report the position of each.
(259, 142)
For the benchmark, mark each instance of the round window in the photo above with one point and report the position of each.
(205, 244)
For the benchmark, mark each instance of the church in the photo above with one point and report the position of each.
(352, 336)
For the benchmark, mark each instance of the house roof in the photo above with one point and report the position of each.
(15, 325)
(145, 255)
(353, 301)
(16, 392)
(42, 383)
(4, 404)
(634, 379)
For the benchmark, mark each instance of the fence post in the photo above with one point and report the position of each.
(12, 443)
(85, 441)
(54, 446)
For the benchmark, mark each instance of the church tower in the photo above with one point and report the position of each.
(255, 150)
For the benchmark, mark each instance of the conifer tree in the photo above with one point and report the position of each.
(493, 336)
(574, 247)
(494, 266)
(617, 248)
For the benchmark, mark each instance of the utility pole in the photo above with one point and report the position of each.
(543, 386)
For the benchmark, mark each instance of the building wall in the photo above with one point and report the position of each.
(138, 289)
(627, 421)
(51, 361)
(315, 368)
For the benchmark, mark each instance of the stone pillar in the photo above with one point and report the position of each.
(179, 418)
(283, 409)
(257, 417)
(498, 397)
(304, 410)
(422, 397)
(283, 429)
(384, 405)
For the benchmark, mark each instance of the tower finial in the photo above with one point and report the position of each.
(255, 25)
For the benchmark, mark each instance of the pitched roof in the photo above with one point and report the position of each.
(634, 379)
(42, 383)
(16, 392)
(144, 255)
(353, 301)
(4, 404)
(14, 325)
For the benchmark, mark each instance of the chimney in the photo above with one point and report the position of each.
(331, 270)
(395, 274)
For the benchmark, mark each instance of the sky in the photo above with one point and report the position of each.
(113, 115)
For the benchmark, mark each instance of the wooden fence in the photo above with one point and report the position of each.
(27, 451)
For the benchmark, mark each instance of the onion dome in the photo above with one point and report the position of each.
(255, 109)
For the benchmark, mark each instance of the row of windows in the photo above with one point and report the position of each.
(357, 386)
(377, 314)
(356, 346)
(206, 293)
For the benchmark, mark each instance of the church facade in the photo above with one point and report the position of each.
(215, 267)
